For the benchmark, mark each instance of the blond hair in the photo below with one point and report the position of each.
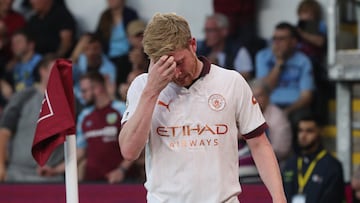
(164, 34)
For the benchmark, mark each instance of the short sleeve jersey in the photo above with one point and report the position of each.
(191, 154)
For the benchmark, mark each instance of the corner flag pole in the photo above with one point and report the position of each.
(71, 179)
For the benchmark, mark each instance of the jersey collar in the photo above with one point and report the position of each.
(206, 66)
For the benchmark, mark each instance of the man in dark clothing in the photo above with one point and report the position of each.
(313, 175)
(53, 28)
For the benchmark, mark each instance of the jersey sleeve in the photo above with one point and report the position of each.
(250, 120)
(133, 96)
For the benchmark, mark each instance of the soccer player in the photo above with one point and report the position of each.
(188, 113)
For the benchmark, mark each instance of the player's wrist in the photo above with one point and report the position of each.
(151, 92)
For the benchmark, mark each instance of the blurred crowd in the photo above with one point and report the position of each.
(284, 72)
(105, 61)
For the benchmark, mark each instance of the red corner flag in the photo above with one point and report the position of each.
(57, 118)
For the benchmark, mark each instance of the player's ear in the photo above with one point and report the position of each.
(193, 45)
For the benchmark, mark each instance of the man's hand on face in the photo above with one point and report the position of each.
(161, 73)
(280, 56)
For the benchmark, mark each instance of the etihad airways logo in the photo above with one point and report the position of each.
(189, 130)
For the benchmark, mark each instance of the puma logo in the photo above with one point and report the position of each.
(161, 103)
(253, 100)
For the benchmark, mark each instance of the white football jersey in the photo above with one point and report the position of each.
(192, 152)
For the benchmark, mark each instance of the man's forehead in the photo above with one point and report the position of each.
(307, 123)
(179, 54)
(281, 31)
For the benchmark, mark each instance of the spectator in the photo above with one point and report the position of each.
(89, 57)
(313, 175)
(25, 60)
(97, 130)
(137, 57)
(241, 15)
(312, 31)
(279, 132)
(17, 128)
(287, 72)
(86, 94)
(10, 21)
(218, 47)
(24, 7)
(52, 26)
(123, 87)
(112, 31)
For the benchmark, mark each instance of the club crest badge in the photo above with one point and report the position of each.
(216, 102)
(111, 118)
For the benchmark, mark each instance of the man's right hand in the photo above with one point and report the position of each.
(161, 73)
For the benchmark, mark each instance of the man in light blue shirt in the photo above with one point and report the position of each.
(287, 71)
(26, 60)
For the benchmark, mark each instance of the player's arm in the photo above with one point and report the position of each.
(135, 131)
(5, 135)
(267, 166)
